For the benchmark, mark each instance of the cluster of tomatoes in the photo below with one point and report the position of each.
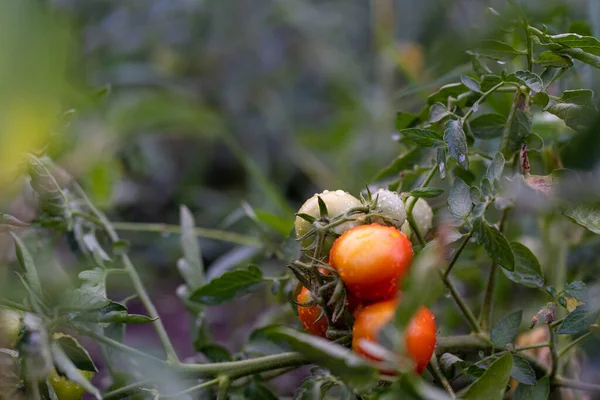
(367, 245)
(10, 335)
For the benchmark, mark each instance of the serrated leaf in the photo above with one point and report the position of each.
(495, 169)
(522, 371)
(459, 199)
(193, 268)
(498, 50)
(401, 163)
(26, 262)
(541, 391)
(527, 78)
(577, 290)
(76, 352)
(506, 329)
(517, 127)
(528, 271)
(579, 320)
(437, 112)
(492, 384)
(495, 244)
(422, 137)
(470, 83)
(228, 286)
(338, 359)
(587, 216)
(455, 138)
(575, 107)
(426, 192)
(488, 126)
(446, 91)
(550, 59)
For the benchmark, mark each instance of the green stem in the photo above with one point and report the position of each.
(485, 316)
(193, 389)
(568, 347)
(435, 366)
(479, 101)
(577, 385)
(457, 253)
(136, 280)
(125, 390)
(411, 206)
(557, 75)
(553, 352)
(529, 50)
(14, 305)
(215, 234)
(224, 385)
(464, 308)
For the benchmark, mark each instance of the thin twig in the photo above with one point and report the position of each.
(193, 389)
(568, 347)
(464, 308)
(411, 206)
(577, 385)
(457, 253)
(435, 366)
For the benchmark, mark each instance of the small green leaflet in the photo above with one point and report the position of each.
(459, 199)
(228, 286)
(575, 107)
(422, 137)
(579, 320)
(549, 59)
(540, 391)
(522, 371)
(426, 192)
(506, 329)
(492, 384)
(498, 50)
(528, 271)
(488, 126)
(495, 244)
(455, 138)
(586, 216)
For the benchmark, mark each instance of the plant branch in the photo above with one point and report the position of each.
(125, 390)
(479, 101)
(437, 372)
(577, 385)
(215, 234)
(457, 253)
(553, 351)
(568, 347)
(193, 389)
(464, 308)
(411, 206)
(136, 280)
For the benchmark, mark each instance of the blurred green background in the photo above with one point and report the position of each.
(238, 109)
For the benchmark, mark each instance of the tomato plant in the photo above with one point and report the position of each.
(481, 208)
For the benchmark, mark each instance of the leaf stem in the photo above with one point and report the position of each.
(193, 389)
(529, 50)
(464, 308)
(136, 280)
(568, 347)
(117, 393)
(207, 233)
(435, 366)
(475, 106)
(457, 253)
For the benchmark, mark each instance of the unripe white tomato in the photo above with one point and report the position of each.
(422, 214)
(390, 206)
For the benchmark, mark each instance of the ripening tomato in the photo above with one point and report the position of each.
(10, 326)
(390, 206)
(372, 260)
(309, 315)
(66, 389)
(420, 334)
(338, 202)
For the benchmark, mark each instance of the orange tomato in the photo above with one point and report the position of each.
(420, 334)
(309, 315)
(372, 260)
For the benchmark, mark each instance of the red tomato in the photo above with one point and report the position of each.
(420, 334)
(309, 315)
(372, 260)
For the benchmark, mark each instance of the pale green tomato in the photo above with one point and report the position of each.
(10, 325)
(338, 202)
(422, 214)
(66, 389)
(391, 206)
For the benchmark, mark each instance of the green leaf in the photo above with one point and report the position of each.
(492, 384)
(589, 44)
(529, 79)
(579, 320)
(498, 50)
(459, 199)
(76, 352)
(338, 359)
(522, 371)
(495, 169)
(470, 83)
(528, 271)
(323, 212)
(506, 329)
(192, 269)
(488, 126)
(426, 192)
(422, 137)
(582, 56)
(577, 290)
(550, 59)
(401, 163)
(26, 262)
(455, 138)
(441, 161)
(446, 91)
(215, 352)
(489, 81)
(586, 216)
(67, 368)
(487, 188)
(541, 391)
(9, 220)
(280, 225)
(495, 244)
(405, 120)
(518, 126)
(448, 361)
(541, 99)
(228, 286)
(575, 107)
(534, 142)
(437, 112)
